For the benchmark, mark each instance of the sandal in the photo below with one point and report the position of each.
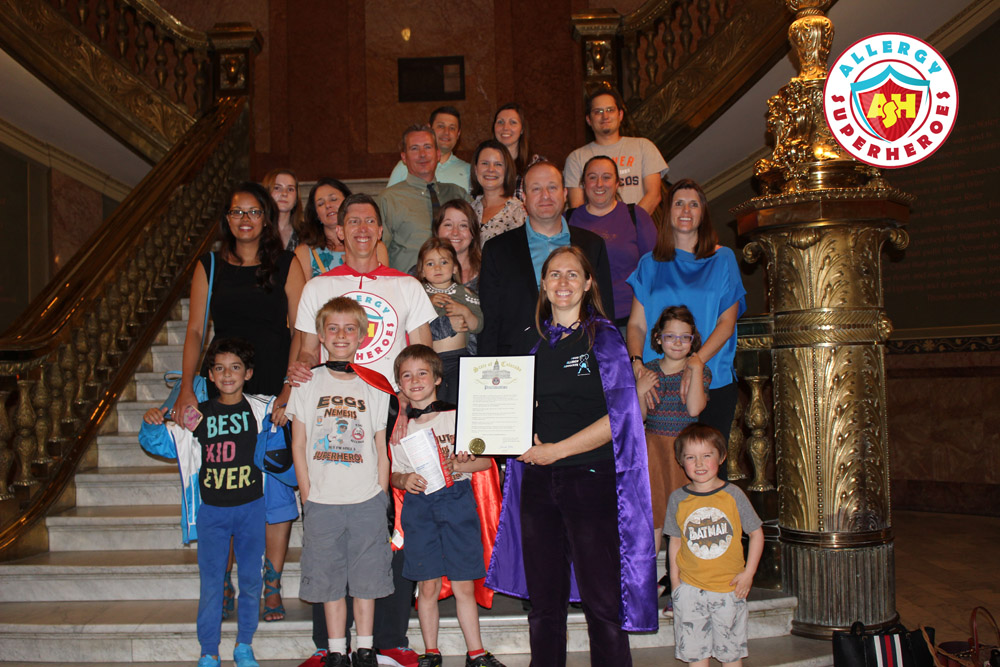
(228, 596)
(272, 586)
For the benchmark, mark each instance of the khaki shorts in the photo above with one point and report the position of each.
(345, 549)
(708, 625)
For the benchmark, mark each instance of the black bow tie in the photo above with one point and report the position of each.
(436, 406)
(341, 366)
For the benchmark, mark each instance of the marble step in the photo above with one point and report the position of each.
(139, 527)
(116, 575)
(164, 630)
(158, 484)
(166, 357)
(122, 450)
(130, 414)
(149, 386)
(771, 652)
(176, 330)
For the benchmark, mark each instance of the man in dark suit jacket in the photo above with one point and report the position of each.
(512, 262)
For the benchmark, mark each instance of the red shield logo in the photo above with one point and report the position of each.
(889, 104)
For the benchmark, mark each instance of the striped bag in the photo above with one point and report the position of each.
(893, 647)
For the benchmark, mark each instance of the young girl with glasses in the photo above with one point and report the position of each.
(676, 400)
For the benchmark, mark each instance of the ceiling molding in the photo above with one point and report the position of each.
(736, 175)
(953, 35)
(50, 156)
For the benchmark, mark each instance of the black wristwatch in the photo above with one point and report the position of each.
(634, 358)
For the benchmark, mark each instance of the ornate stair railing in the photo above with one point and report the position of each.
(66, 360)
(128, 64)
(680, 63)
(753, 365)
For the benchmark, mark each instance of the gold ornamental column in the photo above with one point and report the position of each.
(820, 223)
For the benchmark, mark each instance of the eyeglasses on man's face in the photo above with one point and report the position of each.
(600, 113)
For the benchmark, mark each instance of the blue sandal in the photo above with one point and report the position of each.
(272, 586)
(228, 596)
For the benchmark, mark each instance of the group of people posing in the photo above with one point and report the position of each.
(348, 323)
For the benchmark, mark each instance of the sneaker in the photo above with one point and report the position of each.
(209, 661)
(364, 657)
(317, 659)
(485, 660)
(337, 660)
(430, 660)
(243, 655)
(668, 610)
(398, 657)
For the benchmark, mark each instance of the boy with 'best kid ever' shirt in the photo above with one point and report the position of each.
(441, 529)
(705, 521)
(228, 500)
(342, 466)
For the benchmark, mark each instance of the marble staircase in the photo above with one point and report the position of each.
(118, 586)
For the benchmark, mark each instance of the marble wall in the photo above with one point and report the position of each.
(944, 431)
(75, 212)
(325, 84)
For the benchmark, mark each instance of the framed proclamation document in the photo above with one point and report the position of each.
(496, 398)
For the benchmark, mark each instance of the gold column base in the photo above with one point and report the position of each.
(839, 579)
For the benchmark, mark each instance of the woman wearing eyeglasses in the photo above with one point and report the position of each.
(255, 294)
(688, 267)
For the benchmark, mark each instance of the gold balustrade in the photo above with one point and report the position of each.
(65, 361)
(680, 63)
(129, 65)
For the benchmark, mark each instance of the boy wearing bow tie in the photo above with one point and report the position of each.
(339, 446)
(441, 529)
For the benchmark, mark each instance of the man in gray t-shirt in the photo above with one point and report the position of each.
(640, 165)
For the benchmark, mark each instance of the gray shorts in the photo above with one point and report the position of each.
(708, 625)
(345, 549)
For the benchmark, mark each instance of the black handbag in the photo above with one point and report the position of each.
(894, 647)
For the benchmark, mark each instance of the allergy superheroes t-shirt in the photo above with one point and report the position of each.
(341, 418)
(228, 435)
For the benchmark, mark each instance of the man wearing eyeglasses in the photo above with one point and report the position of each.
(640, 164)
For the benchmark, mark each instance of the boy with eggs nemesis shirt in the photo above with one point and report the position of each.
(342, 466)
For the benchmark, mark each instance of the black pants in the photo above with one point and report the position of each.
(571, 515)
(719, 413)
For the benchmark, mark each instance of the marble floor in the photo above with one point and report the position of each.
(945, 565)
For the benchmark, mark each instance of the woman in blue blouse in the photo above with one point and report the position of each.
(689, 268)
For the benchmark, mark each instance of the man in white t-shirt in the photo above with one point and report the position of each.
(640, 164)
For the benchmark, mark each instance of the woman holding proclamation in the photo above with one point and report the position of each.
(579, 496)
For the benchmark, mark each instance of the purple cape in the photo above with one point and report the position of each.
(638, 611)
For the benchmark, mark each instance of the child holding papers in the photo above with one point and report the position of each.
(441, 526)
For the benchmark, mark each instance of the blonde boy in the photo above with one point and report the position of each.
(342, 466)
(710, 581)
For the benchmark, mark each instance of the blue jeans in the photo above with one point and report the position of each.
(245, 524)
(570, 515)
